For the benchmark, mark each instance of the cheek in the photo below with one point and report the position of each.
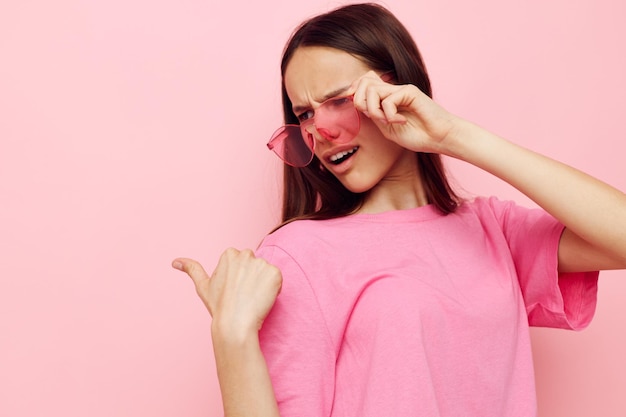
(367, 126)
(371, 136)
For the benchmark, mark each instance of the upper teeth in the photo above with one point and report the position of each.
(340, 155)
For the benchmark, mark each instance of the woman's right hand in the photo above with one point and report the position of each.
(406, 115)
(239, 294)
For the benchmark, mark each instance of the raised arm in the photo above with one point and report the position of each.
(239, 295)
(593, 212)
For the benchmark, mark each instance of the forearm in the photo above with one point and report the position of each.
(588, 207)
(243, 376)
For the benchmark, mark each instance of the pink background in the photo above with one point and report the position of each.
(133, 131)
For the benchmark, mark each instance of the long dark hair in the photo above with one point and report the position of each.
(371, 33)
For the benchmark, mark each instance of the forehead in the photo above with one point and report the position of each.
(314, 71)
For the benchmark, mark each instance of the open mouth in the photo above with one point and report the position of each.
(339, 157)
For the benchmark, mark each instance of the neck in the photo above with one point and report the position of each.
(401, 192)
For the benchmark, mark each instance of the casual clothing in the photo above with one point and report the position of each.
(415, 313)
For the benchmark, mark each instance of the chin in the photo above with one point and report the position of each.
(357, 187)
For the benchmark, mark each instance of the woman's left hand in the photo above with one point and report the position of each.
(404, 114)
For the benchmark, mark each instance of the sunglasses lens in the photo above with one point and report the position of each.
(288, 143)
(336, 120)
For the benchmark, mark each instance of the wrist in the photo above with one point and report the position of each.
(469, 142)
(456, 139)
(232, 334)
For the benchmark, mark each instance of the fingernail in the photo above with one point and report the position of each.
(177, 265)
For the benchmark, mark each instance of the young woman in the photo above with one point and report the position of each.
(397, 297)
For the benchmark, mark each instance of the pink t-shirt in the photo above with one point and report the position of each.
(413, 313)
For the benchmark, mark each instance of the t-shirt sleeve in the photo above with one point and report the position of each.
(552, 299)
(296, 343)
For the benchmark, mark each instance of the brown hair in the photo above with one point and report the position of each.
(374, 35)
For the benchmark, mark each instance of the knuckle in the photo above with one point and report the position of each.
(191, 268)
(371, 74)
(230, 251)
(228, 255)
(275, 272)
(247, 253)
(410, 88)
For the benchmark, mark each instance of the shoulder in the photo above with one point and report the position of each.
(293, 234)
(521, 225)
(496, 216)
(295, 241)
(304, 233)
(486, 205)
(500, 211)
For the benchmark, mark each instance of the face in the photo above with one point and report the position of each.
(315, 74)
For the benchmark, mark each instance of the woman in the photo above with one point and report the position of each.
(396, 297)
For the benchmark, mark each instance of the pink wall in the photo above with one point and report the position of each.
(133, 131)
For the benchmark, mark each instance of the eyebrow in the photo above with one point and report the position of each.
(298, 109)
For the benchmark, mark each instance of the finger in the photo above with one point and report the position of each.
(192, 268)
(360, 88)
(227, 258)
(390, 111)
(373, 104)
(400, 100)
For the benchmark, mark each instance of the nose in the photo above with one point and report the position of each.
(323, 134)
(327, 134)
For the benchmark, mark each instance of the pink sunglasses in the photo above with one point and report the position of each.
(336, 120)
